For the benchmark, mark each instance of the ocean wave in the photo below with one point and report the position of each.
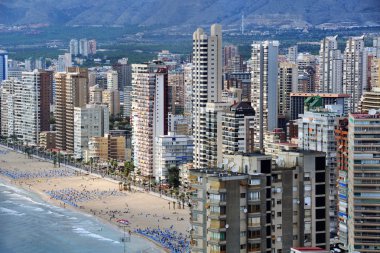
(84, 232)
(4, 210)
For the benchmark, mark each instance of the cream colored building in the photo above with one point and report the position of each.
(105, 148)
(112, 99)
(71, 91)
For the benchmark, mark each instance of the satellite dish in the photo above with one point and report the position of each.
(245, 210)
(372, 112)
(234, 169)
(231, 164)
(227, 226)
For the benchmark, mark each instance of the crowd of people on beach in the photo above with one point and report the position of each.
(169, 238)
(13, 174)
(72, 196)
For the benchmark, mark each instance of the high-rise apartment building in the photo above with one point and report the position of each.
(287, 83)
(230, 212)
(149, 112)
(92, 47)
(26, 106)
(124, 74)
(207, 85)
(316, 132)
(370, 100)
(11, 107)
(188, 89)
(112, 80)
(300, 201)
(363, 193)
(214, 134)
(96, 94)
(176, 87)
(330, 66)
(83, 47)
(341, 137)
(112, 99)
(3, 65)
(264, 92)
(74, 47)
(238, 125)
(71, 91)
(89, 121)
(292, 54)
(64, 61)
(229, 52)
(353, 72)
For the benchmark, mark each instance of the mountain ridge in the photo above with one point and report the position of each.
(167, 13)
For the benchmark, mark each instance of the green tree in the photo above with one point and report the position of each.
(128, 168)
(173, 177)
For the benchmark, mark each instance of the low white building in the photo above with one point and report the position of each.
(171, 151)
(89, 121)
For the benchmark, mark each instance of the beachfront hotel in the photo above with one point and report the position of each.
(149, 112)
(25, 106)
(71, 91)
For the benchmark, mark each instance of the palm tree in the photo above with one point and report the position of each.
(128, 167)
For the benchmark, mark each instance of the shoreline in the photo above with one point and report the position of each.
(96, 207)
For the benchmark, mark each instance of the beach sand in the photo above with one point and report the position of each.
(141, 209)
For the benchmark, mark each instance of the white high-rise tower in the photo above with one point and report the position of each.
(330, 66)
(353, 71)
(264, 93)
(207, 85)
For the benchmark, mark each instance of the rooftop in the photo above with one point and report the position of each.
(323, 95)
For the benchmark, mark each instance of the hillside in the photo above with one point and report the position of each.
(166, 13)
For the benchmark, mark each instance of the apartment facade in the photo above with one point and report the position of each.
(300, 200)
(149, 112)
(71, 91)
(330, 66)
(106, 148)
(207, 85)
(363, 183)
(264, 92)
(171, 151)
(229, 212)
(316, 131)
(353, 72)
(89, 121)
(238, 129)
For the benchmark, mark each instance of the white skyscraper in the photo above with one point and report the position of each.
(330, 66)
(149, 117)
(264, 93)
(83, 47)
(207, 85)
(112, 80)
(353, 71)
(74, 48)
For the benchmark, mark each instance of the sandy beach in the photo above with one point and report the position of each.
(92, 194)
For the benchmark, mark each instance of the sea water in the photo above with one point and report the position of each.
(30, 225)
